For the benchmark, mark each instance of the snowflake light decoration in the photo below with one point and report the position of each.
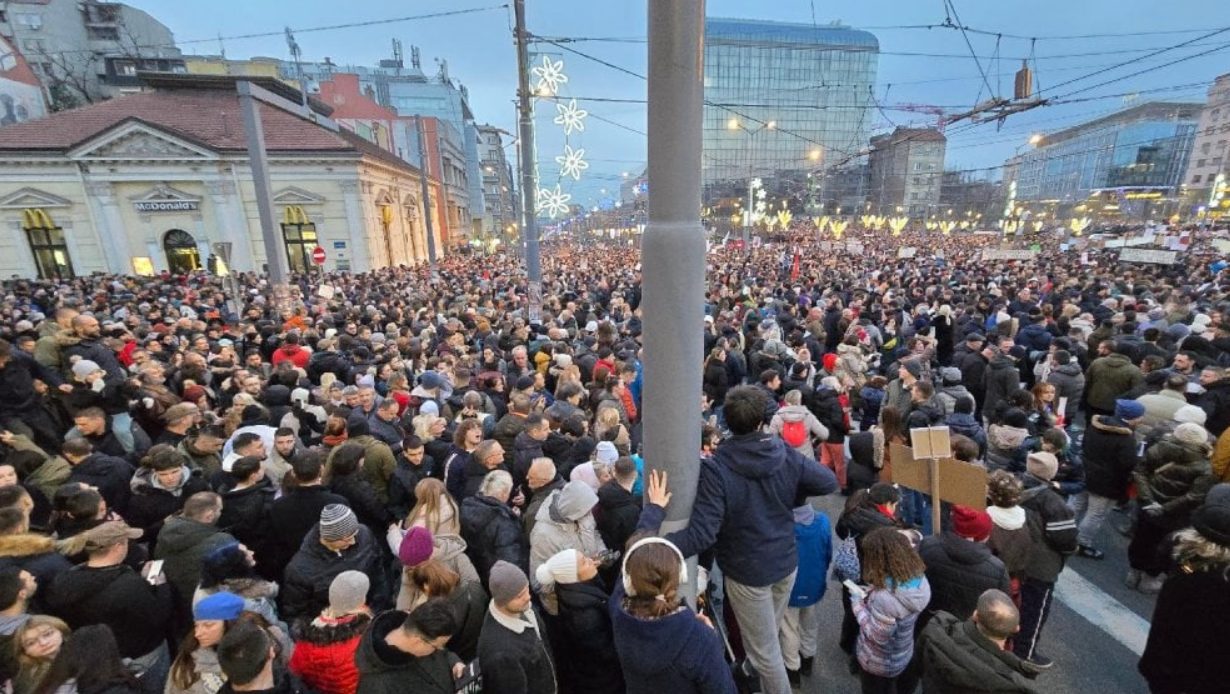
(572, 163)
(553, 201)
(571, 116)
(550, 76)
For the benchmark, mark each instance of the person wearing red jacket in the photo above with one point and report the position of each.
(325, 646)
(292, 352)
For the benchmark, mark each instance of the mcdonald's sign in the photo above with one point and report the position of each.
(36, 218)
(294, 214)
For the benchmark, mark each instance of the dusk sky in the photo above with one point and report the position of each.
(479, 49)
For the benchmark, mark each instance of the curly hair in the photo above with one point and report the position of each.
(888, 559)
(1004, 489)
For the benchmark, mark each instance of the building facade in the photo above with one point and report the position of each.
(499, 191)
(1208, 165)
(411, 92)
(1142, 148)
(813, 83)
(85, 51)
(21, 93)
(906, 171)
(142, 184)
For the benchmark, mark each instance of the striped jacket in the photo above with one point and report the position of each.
(1052, 526)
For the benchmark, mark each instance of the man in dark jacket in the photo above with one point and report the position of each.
(338, 543)
(1111, 454)
(960, 566)
(407, 652)
(20, 408)
(1002, 378)
(109, 474)
(1052, 527)
(528, 446)
(184, 541)
(86, 342)
(973, 365)
(512, 648)
(1215, 400)
(246, 508)
(490, 528)
(968, 657)
(1110, 376)
(105, 590)
(744, 508)
(294, 515)
(159, 490)
(1069, 382)
(618, 508)
(93, 425)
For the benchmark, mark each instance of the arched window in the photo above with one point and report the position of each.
(182, 253)
(47, 245)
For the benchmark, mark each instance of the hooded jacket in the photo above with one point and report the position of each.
(799, 413)
(1010, 538)
(305, 584)
(110, 475)
(586, 650)
(1034, 337)
(151, 503)
(564, 522)
(295, 354)
(957, 659)
(325, 649)
(1052, 529)
(827, 409)
(1108, 378)
(1002, 377)
(183, 544)
(36, 554)
(959, 571)
(676, 653)
(1110, 456)
(1004, 447)
(745, 507)
(1176, 475)
(619, 511)
(387, 670)
(1069, 383)
(886, 619)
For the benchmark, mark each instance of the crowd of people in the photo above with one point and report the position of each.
(401, 483)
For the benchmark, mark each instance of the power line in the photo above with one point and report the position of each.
(1143, 57)
(1151, 69)
(949, 5)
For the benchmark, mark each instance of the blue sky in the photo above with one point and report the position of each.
(479, 50)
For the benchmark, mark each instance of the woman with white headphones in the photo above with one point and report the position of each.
(663, 645)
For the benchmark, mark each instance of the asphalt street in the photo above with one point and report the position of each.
(1095, 633)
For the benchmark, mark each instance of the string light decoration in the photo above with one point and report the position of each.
(553, 201)
(550, 75)
(572, 162)
(571, 117)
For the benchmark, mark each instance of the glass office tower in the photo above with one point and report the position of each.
(813, 83)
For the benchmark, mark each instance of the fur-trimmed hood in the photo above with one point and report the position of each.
(25, 545)
(1112, 425)
(323, 631)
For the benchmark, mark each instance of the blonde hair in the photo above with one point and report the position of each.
(423, 424)
(606, 419)
(36, 621)
(1195, 552)
(430, 499)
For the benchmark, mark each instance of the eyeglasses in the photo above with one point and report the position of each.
(38, 637)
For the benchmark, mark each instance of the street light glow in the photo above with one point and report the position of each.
(732, 124)
(814, 155)
(771, 124)
(1035, 139)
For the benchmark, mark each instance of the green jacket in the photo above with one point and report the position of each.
(1109, 378)
(378, 463)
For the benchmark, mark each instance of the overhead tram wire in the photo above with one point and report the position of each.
(1125, 63)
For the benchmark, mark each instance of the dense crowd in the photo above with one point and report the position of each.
(399, 483)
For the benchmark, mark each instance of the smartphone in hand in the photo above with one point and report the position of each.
(153, 572)
(854, 588)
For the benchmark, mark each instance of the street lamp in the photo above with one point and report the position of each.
(734, 124)
(814, 155)
(1035, 139)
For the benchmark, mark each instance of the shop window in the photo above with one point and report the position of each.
(46, 238)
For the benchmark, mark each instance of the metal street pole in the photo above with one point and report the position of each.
(259, 164)
(529, 186)
(431, 233)
(673, 252)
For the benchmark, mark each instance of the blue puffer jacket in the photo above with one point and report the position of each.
(744, 507)
(1034, 337)
(814, 537)
(677, 653)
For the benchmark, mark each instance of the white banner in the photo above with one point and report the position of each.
(1007, 254)
(906, 252)
(1143, 255)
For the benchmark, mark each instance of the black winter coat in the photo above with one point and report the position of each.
(36, 554)
(515, 663)
(1177, 476)
(956, 658)
(827, 408)
(402, 483)
(1110, 457)
(110, 475)
(138, 613)
(1052, 528)
(1186, 650)
(150, 506)
(1002, 378)
(1215, 401)
(361, 497)
(617, 514)
(959, 571)
(586, 654)
(293, 516)
(469, 603)
(386, 670)
(183, 544)
(245, 515)
(17, 383)
(716, 381)
(492, 533)
(305, 585)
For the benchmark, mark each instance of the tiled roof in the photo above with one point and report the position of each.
(209, 117)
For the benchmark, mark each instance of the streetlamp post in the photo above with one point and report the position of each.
(734, 124)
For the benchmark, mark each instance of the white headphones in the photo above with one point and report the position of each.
(627, 580)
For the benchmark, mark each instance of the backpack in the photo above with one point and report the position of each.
(794, 433)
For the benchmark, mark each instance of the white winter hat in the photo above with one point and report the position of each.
(560, 568)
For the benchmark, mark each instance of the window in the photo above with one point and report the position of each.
(103, 33)
(125, 68)
(50, 252)
(1196, 178)
(1200, 162)
(1204, 148)
(300, 241)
